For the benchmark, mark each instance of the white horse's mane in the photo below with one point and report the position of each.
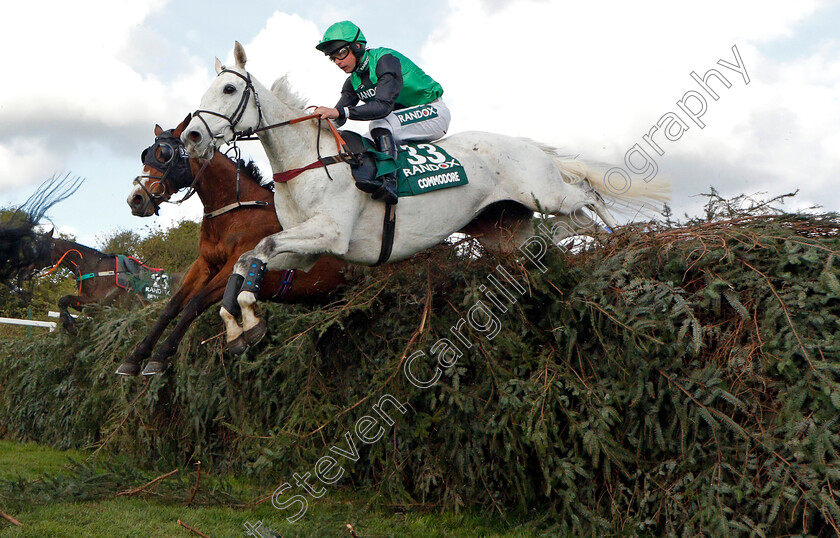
(282, 89)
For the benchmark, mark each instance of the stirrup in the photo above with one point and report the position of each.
(387, 193)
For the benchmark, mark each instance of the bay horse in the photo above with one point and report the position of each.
(24, 251)
(19, 239)
(238, 213)
(321, 211)
(95, 274)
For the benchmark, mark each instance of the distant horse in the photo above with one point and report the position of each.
(323, 213)
(24, 251)
(238, 213)
(100, 278)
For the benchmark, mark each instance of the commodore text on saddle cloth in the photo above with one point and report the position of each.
(671, 125)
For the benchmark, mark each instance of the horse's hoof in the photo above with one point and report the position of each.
(238, 345)
(154, 368)
(128, 369)
(256, 333)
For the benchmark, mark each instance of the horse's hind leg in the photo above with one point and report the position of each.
(64, 304)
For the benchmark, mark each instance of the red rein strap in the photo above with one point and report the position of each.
(288, 175)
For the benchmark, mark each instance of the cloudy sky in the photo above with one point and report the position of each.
(86, 81)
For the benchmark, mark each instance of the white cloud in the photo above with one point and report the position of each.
(596, 76)
(69, 84)
(286, 46)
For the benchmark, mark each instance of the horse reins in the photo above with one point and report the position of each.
(237, 204)
(81, 277)
(248, 134)
(343, 156)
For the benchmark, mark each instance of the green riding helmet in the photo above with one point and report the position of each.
(341, 34)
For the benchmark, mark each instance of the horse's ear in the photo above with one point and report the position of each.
(219, 66)
(183, 125)
(239, 55)
(52, 233)
(158, 129)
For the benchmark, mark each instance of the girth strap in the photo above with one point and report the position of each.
(388, 227)
(285, 282)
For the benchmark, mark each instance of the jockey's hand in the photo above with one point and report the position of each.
(326, 113)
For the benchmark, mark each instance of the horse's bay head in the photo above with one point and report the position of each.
(166, 169)
(227, 108)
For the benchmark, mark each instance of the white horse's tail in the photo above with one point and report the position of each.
(638, 198)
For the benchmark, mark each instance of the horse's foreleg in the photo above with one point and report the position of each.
(64, 305)
(298, 247)
(194, 282)
(210, 294)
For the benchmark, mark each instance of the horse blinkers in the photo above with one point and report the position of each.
(177, 173)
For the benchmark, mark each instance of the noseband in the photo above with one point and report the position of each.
(239, 111)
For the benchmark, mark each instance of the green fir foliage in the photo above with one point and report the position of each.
(668, 380)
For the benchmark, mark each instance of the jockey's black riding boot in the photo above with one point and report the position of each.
(385, 142)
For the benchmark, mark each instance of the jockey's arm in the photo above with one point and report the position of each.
(348, 98)
(389, 83)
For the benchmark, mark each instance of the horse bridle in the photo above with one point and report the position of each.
(182, 176)
(248, 134)
(238, 112)
(177, 173)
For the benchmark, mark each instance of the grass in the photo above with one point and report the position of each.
(136, 517)
(29, 461)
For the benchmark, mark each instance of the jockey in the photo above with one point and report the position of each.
(391, 87)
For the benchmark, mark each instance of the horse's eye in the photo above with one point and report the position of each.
(165, 154)
(229, 89)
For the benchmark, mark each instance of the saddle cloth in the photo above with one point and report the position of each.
(134, 275)
(421, 167)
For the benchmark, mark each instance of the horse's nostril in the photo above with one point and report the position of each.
(136, 200)
(195, 136)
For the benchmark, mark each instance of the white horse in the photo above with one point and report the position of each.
(325, 214)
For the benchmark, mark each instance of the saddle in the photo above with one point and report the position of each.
(364, 159)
